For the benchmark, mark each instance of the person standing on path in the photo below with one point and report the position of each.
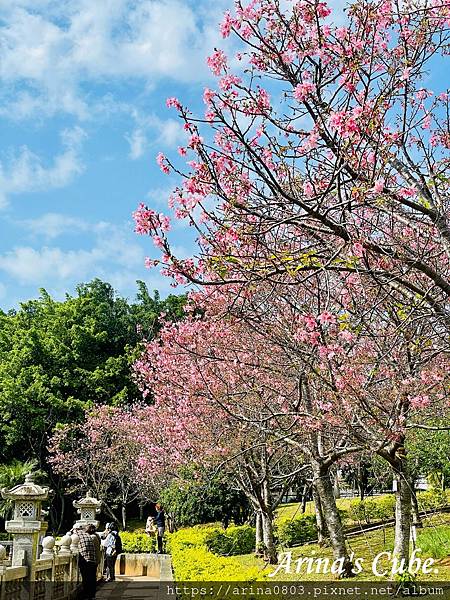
(160, 522)
(92, 531)
(87, 562)
(113, 547)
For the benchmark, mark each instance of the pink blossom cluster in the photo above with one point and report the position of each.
(217, 62)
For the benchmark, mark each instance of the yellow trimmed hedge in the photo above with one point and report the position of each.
(137, 541)
(192, 561)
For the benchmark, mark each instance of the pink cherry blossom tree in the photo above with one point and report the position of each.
(222, 368)
(314, 378)
(101, 454)
(211, 397)
(341, 157)
(326, 153)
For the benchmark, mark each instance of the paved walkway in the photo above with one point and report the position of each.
(130, 587)
(136, 587)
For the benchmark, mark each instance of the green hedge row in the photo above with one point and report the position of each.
(382, 508)
(232, 541)
(370, 510)
(192, 561)
(136, 541)
(298, 530)
(432, 500)
(302, 528)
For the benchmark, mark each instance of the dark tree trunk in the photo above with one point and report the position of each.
(304, 497)
(336, 487)
(324, 488)
(270, 551)
(259, 546)
(417, 521)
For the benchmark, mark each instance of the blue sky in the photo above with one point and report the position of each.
(83, 85)
(82, 117)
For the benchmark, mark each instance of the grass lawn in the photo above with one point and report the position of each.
(294, 509)
(434, 539)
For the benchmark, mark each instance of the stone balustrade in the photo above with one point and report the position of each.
(37, 567)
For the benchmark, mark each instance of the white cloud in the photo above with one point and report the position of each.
(49, 50)
(28, 265)
(159, 197)
(171, 132)
(25, 172)
(113, 248)
(53, 225)
(138, 143)
(161, 132)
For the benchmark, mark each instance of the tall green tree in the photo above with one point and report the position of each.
(200, 497)
(59, 358)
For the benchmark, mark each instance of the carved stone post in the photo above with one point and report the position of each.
(48, 547)
(87, 508)
(64, 545)
(27, 526)
(74, 574)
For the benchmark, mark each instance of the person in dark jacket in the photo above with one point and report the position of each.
(87, 562)
(160, 522)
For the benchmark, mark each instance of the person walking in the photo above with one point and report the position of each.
(87, 562)
(113, 547)
(160, 522)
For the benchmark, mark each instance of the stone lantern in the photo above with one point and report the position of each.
(27, 525)
(87, 508)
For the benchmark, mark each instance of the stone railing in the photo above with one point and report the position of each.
(35, 566)
(54, 573)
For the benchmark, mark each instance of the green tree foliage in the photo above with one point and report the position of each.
(58, 358)
(197, 499)
(428, 453)
(13, 474)
(148, 309)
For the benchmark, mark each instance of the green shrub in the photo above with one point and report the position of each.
(432, 500)
(234, 540)
(137, 541)
(199, 498)
(384, 507)
(355, 510)
(192, 561)
(297, 531)
(343, 513)
(372, 509)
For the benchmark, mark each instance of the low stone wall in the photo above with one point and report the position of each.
(156, 566)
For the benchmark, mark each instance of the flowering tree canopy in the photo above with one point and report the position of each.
(316, 180)
(339, 163)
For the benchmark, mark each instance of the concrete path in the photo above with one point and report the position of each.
(135, 587)
(130, 587)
